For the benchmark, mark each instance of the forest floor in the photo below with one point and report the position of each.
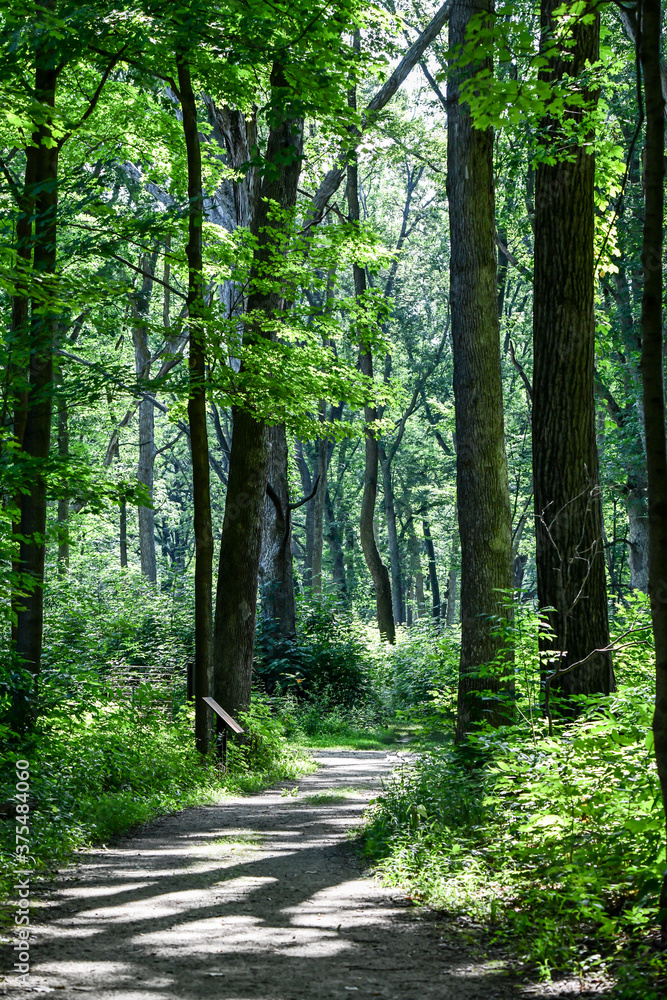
(259, 898)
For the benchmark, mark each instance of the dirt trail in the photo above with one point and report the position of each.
(258, 898)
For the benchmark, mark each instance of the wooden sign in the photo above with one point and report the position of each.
(232, 723)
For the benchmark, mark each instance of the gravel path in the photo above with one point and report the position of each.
(258, 898)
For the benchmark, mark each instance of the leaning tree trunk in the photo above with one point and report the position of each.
(249, 458)
(197, 416)
(653, 380)
(568, 508)
(275, 563)
(36, 438)
(307, 486)
(482, 490)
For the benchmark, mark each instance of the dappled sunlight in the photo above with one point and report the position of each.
(259, 898)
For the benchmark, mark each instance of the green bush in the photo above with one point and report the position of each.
(556, 841)
(327, 655)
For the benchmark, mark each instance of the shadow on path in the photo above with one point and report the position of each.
(258, 898)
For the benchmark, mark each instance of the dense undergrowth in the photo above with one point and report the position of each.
(553, 843)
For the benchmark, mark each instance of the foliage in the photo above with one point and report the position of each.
(106, 758)
(555, 842)
(325, 660)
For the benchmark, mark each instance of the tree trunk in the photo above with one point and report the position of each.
(452, 582)
(63, 502)
(392, 535)
(249, 459)
(318, 509)
(432, 572)
(197, 416)
(569, 544)
(378, 570)
(307, 488)
(653, 380)
(43, 328)
(638, 542)
(275, 563)
(416, 566)
(335, 546)
(482, 490)
(122, 534)
(146, 464)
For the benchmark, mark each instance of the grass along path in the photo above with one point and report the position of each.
(257, 898)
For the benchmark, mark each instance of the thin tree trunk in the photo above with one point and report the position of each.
(197, 416)
(318, 508)
(653, 380)
(452, 582)
(43, 327)
(146, 464)
(482, 490)
(432, 572)
(275, 564)
(122, 534)
(378, 570)
(63, 502)
(335, 545)
(568, 508)
(416, 566)
(307, 487)
(249, 459)
(392, 534)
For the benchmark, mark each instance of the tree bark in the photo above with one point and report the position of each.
(653, 380)
(318, 507)
(307, 487)
(452, 581)
(432, 572)
(392, 534)
(197, 415)
(275, 564)
(377, 569)
(249, 459)
(63, 502)
(482, 490)
(569, 543)
(146, 464)
(335, 546)
(36, 437)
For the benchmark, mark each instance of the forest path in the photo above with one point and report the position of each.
(257, 898)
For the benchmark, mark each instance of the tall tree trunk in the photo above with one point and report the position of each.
(275, 563)
(43, 328)
(481, 478)
(452, 581)
(146, 464)
(197, 416)
(392, 535)
(416, 566)
(653, 380)
(249, 459)
(568, 508)
(335, 545)
(378, 570)
(307, 488)
(122, 534)
(318, 509)
(63, 502)
(432, 572)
